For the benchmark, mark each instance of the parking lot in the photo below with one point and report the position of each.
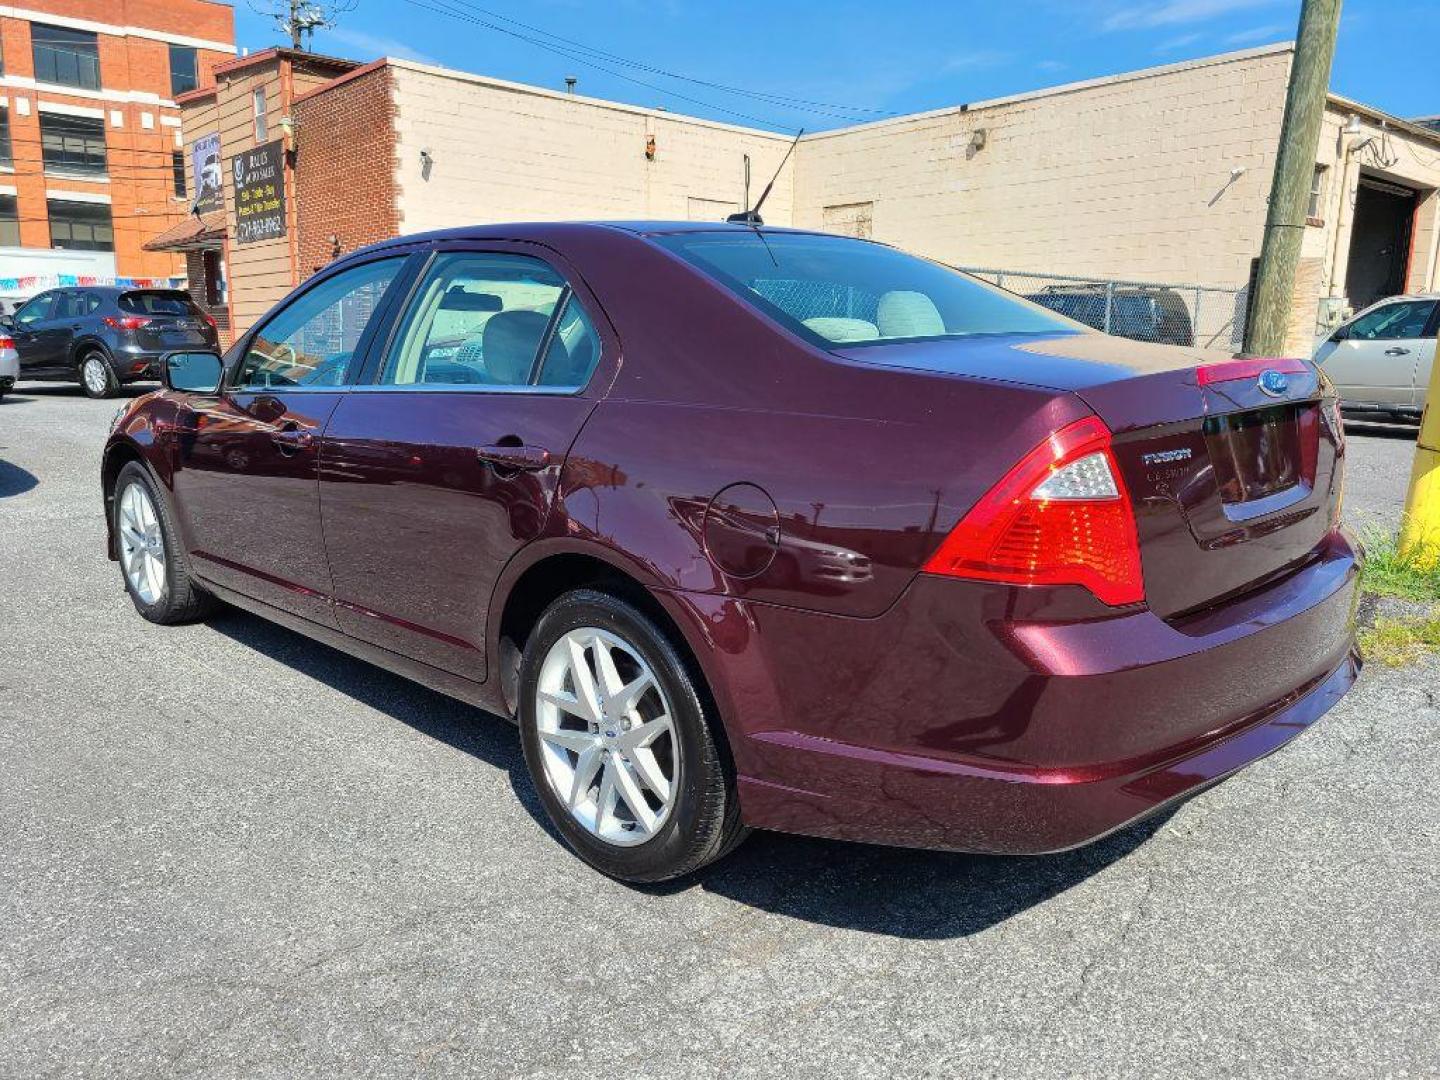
(228, 851)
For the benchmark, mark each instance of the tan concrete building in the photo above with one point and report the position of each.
(1158, 176)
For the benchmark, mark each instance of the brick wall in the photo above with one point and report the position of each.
(345, 167)
(504, 151)
(141, 123)
(1127, 177)
(197, 284)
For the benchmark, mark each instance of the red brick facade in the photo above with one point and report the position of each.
(135, 104)
(345, 166)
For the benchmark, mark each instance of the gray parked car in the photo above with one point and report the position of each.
(1380, 360)
(102, 337)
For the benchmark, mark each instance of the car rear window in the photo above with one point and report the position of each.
(833, 290)
(156, 303)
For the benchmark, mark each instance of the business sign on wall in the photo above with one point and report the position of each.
(208, 180)
(259, 177)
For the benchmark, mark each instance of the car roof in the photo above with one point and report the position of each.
(545, 231)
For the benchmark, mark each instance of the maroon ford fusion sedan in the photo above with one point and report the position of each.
(749, 527)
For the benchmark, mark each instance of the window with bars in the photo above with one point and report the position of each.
(177, 168)
(184, 70)
(9, 221)
(7, 156)
(72, 144)
(78, 226)
(66, 57)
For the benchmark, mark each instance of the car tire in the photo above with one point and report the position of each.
(152, 562)
(686, 782)
(97, 377)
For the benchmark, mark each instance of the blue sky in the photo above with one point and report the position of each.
(863, 60)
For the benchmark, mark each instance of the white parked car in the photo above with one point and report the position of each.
(1380, 359)
(9, 364)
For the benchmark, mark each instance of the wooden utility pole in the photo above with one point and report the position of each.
(1294, 170)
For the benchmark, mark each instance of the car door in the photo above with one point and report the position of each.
(1373, 358)
(245, 465)
(34, 340)
(1425, 358)
(445, 462)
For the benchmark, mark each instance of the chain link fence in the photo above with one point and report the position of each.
(1202, 315)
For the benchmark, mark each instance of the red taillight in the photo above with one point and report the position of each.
(209, 320)
(1231, 370)
(125, 322)
(7, 343)
(1061, 516)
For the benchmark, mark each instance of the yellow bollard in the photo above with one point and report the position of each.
(1420, 529)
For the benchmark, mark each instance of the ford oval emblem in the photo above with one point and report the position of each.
(1273, 382)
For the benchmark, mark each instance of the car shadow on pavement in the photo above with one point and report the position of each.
(1400, 432)
(896, 892)
(14, 479)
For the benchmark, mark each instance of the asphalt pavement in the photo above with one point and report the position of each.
(226, 851)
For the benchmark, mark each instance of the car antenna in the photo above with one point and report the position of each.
(752, 216)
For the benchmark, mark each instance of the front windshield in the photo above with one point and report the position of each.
(836, 291)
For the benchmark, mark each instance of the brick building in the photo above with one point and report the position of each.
(1159, 175)
(90, 146)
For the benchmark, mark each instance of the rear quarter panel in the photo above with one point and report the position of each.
(867, 466)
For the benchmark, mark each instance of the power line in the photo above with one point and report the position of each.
(766, 96)
(591, 63)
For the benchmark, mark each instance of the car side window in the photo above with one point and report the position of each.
(69, 305)
(1405, 319)
(478, 319)
(312, 340)
(36, 310)
(574, 348)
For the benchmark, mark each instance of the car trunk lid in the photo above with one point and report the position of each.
(1232, 469)
(1232, 486)
(171, 320)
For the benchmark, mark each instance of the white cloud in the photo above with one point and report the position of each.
(1175, 12)
(980, 58)
(376, 44)
(1269, 32)
(1175, 44)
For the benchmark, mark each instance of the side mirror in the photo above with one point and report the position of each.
(7, 322)
(192, 372)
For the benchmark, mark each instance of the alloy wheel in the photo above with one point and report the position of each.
(606, 736)
(142, 544)
(94, 373)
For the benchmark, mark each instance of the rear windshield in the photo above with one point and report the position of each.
(156, 303)
(836, 291)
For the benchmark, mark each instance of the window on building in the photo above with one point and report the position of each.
(261, 129)
(7, 157)
(184, 70)
(9, 221)
(80, 226)
(72, 144)
(177, 168)
(1315, 210)
(64, 56)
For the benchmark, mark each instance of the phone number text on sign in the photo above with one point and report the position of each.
(259, 180)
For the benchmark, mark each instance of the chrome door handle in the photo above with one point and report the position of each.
(1397, 351)
(291, 438)
(519, 458)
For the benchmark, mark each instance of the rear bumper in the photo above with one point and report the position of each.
(9, 367)
(946, 724)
